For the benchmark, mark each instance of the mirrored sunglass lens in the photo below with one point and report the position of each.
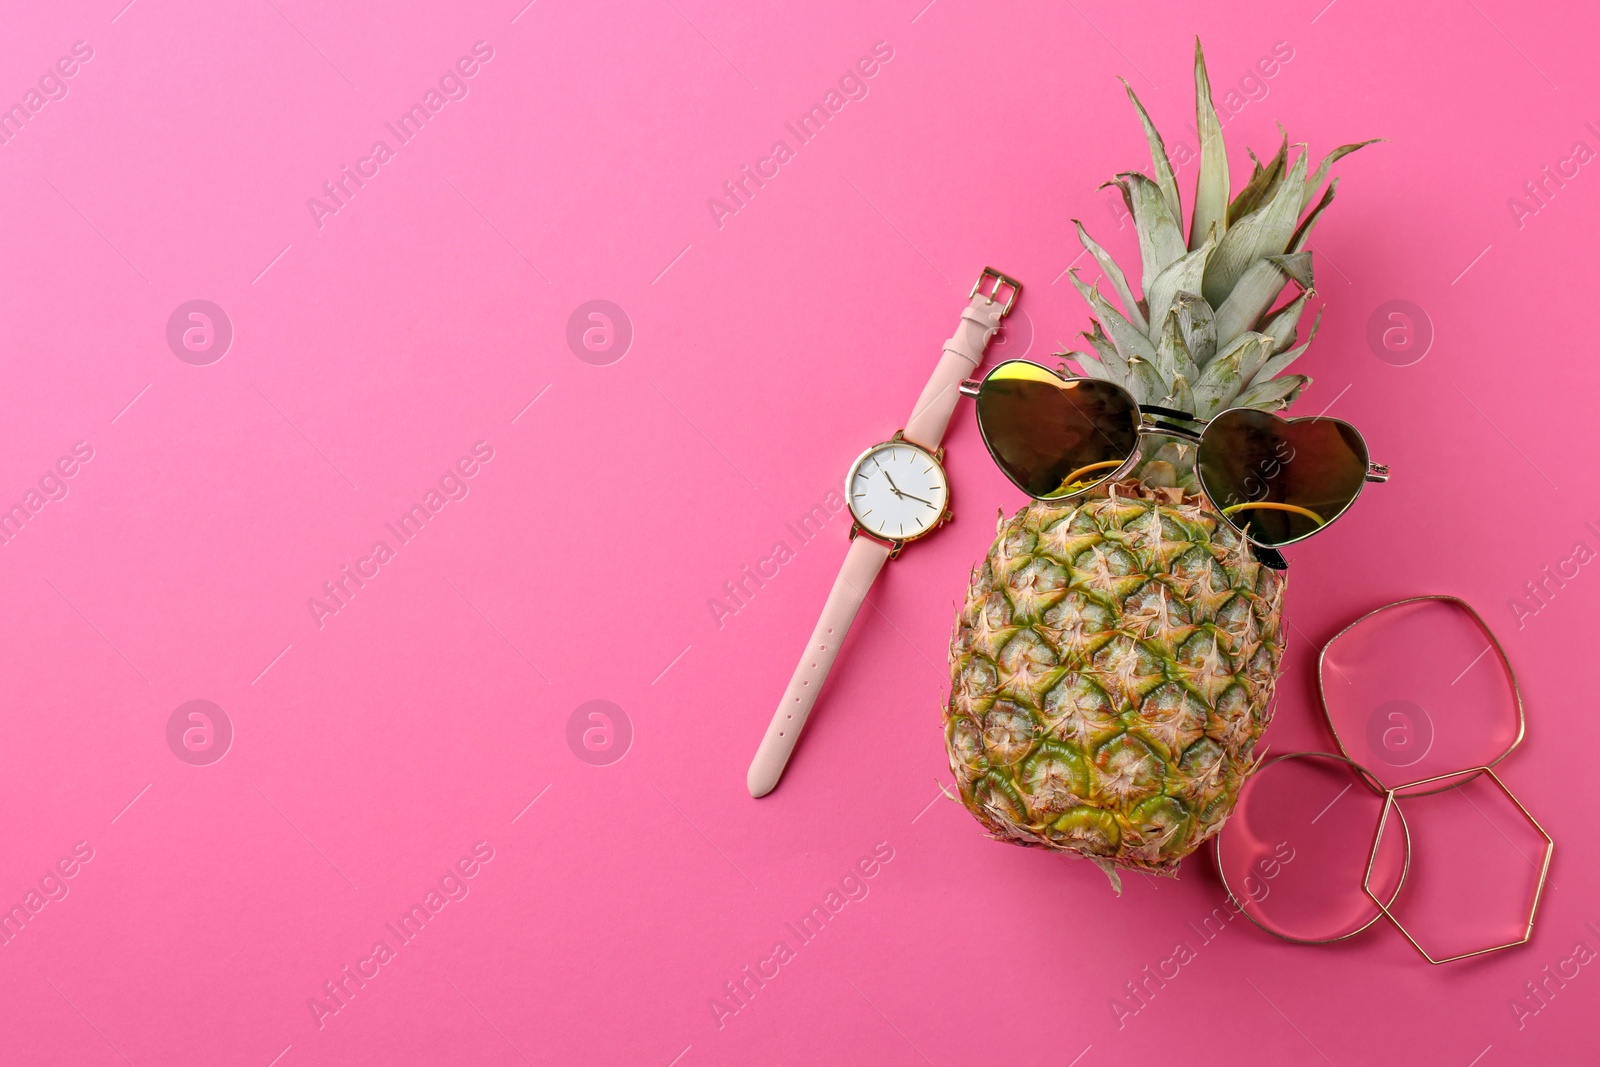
(1280, 481)
(1055, 438)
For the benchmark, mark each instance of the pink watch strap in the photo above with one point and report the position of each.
(861, 566)
(962, 355)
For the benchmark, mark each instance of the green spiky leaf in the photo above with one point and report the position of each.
(1116, 367)
(1257, 290)
(1091, 367)
(1113, 273)
(1263, 183)
(1302, 234)
(1183, 275)
(1282, 326)
(1129, 341)
(1264, 232)
(1274, 395)
(1211, 188)
(1199, 326)
(1280, 362)
(1172, 352)
(1328, 161)
(1144, 380)
(1160, 238)
(1161, 166)
(1222, 379)
(1181, 396)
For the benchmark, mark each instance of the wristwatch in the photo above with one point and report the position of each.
(898, 493)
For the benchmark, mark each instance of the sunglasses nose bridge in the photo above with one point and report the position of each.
(1157, 426)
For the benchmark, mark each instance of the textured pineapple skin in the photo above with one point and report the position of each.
(1111, 672)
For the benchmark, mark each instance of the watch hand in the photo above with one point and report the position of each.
(892, 486)
(918, 499)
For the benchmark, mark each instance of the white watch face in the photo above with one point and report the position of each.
(897, 491)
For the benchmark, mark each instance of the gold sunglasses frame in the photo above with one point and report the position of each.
(1169, 422)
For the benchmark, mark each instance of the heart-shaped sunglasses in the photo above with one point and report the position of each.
(1276, 481)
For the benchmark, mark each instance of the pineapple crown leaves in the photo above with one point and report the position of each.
(1205, 334)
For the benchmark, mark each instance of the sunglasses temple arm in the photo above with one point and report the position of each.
(1377, 472)
(969, 387)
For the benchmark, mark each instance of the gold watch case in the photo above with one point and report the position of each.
(895, 545)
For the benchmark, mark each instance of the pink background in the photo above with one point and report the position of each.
(372, 753)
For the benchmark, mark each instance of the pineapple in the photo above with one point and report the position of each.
(1114, 663)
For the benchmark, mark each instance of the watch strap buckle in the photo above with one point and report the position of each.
(997, 282)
